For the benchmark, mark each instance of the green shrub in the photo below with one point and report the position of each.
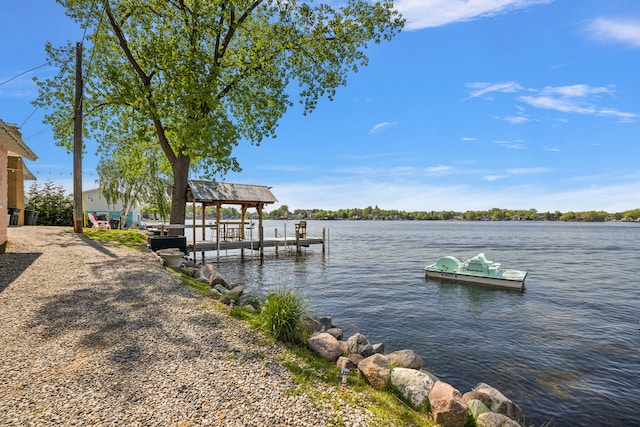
(51, 203)
(281, 317)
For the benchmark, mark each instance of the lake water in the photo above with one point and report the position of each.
(566, 350)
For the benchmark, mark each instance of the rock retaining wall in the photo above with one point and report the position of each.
(403, 371)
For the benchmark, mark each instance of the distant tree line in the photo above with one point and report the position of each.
(495, 214)
(375, 213)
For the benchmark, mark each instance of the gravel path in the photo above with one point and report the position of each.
(93, 334)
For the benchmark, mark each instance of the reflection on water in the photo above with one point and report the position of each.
(564, 350)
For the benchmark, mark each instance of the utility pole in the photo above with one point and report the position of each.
(78, 217)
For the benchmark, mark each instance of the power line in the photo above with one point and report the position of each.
(32, 113)
(23, 73)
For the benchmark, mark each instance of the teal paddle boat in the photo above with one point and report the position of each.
(478, 269)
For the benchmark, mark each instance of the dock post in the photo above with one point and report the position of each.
(276, 242)
(323, 238)
(298, 250)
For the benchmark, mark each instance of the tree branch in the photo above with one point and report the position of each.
(146, 81)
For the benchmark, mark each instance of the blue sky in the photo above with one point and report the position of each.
(477, 104)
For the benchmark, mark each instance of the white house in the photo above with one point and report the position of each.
(94, 202)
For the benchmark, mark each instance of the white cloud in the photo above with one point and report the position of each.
(528, 171)
(565, 105)
(378, 127)
(491, 178)
(517, 120)
(439, 170)
(434, 13)
(578, 105)
(482, 88)
(578, 99)
(468, 139)
(618, 30)
(515, 145)
(578, 90)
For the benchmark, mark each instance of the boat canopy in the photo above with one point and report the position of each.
(481, 264)
(449, 263)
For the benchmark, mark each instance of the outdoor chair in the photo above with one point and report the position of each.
(97, 223)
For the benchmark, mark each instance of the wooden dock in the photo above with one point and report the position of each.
(231, 236)
(280, 242)
(293, 244)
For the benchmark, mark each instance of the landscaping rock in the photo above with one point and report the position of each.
(476, 407)
(325, 345)
(235, 292)
(405, 359)
(413, 385)
(359, 344)
(336, 332)
(216, 278)
(493, 419)
(190, 271)
(311, 325)
(378, 348)
(325, 323)
(220, 289)
(356, 358)
(495, 401)
(447, 407)
(345, 363)
(249, 308)
(376, 370)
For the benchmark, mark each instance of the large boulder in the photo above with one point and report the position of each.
(413, 385)
(378, 348)
(325, 322)
(495, 401)
(235, 292)
(208, 273)
(311, 325)
(355, 358)
(476, 407)
(326, 345)
(336, 332)
(359, 344)
(346, 363)
(376, 370)
(493, 419)
(405, 359)
(447, 407)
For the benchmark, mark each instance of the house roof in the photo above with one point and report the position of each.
(28, 176)
(11, 138)
(209, 192)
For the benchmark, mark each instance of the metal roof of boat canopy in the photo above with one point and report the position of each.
(217, 194)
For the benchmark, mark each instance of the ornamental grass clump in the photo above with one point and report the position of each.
(281, 317)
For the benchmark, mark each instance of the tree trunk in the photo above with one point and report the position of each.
(179, 192)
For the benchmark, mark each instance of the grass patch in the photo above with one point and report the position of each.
(196, 285)
(319, 380)
(130, 238)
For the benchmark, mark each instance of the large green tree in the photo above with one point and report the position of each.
(203, 75)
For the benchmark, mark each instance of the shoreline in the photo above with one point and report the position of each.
(100, 334)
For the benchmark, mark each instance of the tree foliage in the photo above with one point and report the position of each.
(133, 178)
(200, 76)
(54, 207)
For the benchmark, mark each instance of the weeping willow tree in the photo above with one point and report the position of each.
(132, 174)
(203, 75)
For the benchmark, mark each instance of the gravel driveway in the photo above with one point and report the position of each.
(92, 334)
